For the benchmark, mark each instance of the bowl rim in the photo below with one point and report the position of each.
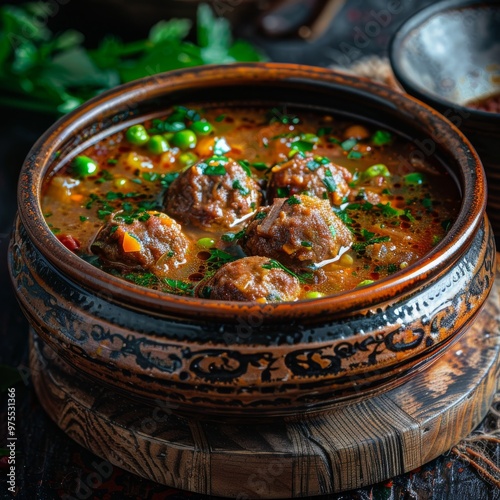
(405, 30)
(142, 299)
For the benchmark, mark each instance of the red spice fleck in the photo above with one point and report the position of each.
(69, 242)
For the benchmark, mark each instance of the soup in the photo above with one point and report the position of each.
(490, 103)
(247, 204)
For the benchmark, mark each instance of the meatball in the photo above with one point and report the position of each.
(252, 278)
(213, 195)
(298, 232)
(154, 242)
(313, 175)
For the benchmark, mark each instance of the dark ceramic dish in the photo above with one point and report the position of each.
(447, 55)
(247, 358)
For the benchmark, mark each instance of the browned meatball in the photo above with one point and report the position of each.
(316, 176)
(213, 195)
(154, 243)
(298, 231)
(253, 278)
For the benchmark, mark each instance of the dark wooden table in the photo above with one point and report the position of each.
(50, 465)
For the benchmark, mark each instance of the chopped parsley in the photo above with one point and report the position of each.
(232, 237)
(274, 264)
(242, 189)
(323, 131)
(276, 115)
(381, 138)
(370, 239)
(302, 146)
(354, 155)
(219, 257)
(150, 176)
(142, 279)
(283, 192)
(293, 201)
(213, 169)
(329, 182)
(105, 175)
(348, 144)
(245, 165)
(260, 166)
(179, 287)
(167, 179)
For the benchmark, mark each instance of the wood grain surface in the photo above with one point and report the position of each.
(349, 446)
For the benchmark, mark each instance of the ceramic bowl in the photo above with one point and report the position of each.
(250, 359)
(447, 55)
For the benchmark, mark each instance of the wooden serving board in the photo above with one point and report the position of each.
(352, 445)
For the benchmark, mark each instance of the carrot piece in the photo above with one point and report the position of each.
(130, 243)
(76, 197)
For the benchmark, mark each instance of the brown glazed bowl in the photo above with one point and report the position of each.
(250, 359)
(448, 54)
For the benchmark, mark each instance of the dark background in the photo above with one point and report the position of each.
(49, 464)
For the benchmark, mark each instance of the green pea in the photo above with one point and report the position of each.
(137, 135)
(158, 144)
(378, 170)
(83, 166)
(185, 139)
(414, 179)
(206, 242)
(201, 127)
(187, 159)
(313, 295)
(365, 283)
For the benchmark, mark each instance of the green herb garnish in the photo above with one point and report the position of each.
(274, 264)
(214, 170)
(354, 155)
(242, 189)
(245, 165)
(329, 182)
(302, 146)
(283, 192)
(348, 144)
(381, 138)
(232, 237)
